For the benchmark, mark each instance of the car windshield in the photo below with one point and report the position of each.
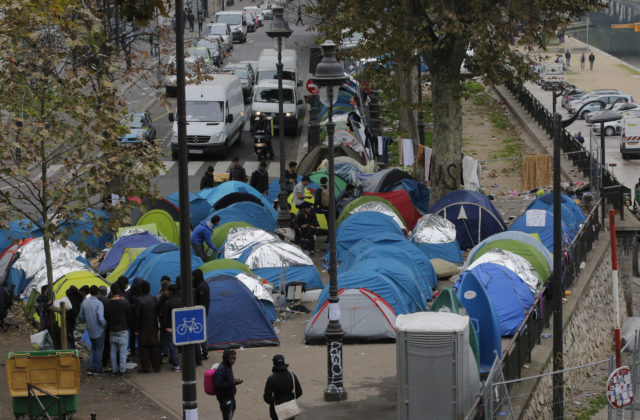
(206, 111)
(273, 74)
(231, 19)
(135, 121)
(218, 30)
(240, 72)
(270, 95)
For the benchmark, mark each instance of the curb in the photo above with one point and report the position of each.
(170, 411)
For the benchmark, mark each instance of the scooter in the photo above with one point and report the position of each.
(262, 138)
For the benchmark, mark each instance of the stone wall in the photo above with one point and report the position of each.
(588, 331)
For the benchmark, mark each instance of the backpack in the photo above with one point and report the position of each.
(325, 198)
(209, 386)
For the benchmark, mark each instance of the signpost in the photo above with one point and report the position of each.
(311, 87)
(619, 387)
(189, 325)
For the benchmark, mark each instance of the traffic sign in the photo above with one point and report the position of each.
(311, 87)
(619, 388)
(189, 325)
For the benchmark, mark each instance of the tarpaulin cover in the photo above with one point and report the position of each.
(418, 192)
(378, 207)
(513, 262)
(572, 214)
(473, 215)
(156, 261)
(315, 156)
(127, 240)
(236, 318)
(435, 236)
(239, 239)
(384, 179)
(515, 235)
(248, 212)
(213, 195)
(525, 250)
(274, 254)
(402, 202)
(510, 296)
(359, 201)
(198, 207)
(18, 229)
(219, 235)
(541, 222)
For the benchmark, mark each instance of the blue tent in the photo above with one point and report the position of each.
(249, 212)
(198, 206)
(436, 238)
(510, 296)
(236, 318)
(378, 283)
(274, 188)
(81, 230)
(392, 246)
(139, 240)
(157, 261)
(541, 222)
(572, 214)
(473, 215)
(419, 193)
(18, 229)
(213, 195)
(516, 236)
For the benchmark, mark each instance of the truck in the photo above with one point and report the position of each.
(630, 138)
(552, 76)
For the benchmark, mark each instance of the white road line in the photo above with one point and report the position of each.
(221, 167)
(193, 167)
(274, 170)
(249, 167)
(168, 164)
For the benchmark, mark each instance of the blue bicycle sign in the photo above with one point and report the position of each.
(189, 325)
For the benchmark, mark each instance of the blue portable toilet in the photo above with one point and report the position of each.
(249, 212)
(236, 318)
(473, 215)
(137, 240)
(198, 207)
(540, 222)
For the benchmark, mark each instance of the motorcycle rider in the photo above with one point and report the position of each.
(263, 127)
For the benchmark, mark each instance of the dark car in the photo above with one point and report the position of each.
(141, 128)
(244, 72)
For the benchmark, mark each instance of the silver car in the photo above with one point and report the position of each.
(221, 31)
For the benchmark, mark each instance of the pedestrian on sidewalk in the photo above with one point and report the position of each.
(225, 384)
(260, 179)
(592, 58)
(92, 313)
(299, 21)
(168, 301)
(237, 172)
(201, 234)
(282, 386)
(583, 60)
(117, 313)
(567, 55)
(192, 20)
(202, 297)
(200, 22)
(207, 179)
(579, 137)
(146, 330)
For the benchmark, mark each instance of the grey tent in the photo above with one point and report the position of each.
(310, 162)
(382, 180)
(364, 316)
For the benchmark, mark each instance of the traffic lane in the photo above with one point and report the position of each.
(626, 171)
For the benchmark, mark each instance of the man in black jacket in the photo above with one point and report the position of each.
(75, 298)
(117, 313)
(146, 330)
(167, 302)
(237, 172)
(260, 179)
(202, 297)
(279, 386)
(207, 179)
(225, 384)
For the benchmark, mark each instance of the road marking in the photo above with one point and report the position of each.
(193, 167)
(168, 164)
(221, 167)
(274, 170)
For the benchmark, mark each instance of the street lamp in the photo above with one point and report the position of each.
(330, 75)
(279, 29)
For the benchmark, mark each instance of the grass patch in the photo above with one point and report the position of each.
(509, 147)
(629, 69)
(594, 405)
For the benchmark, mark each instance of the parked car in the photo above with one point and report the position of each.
(608, 99)
(244, 72)
(221, 31)
(141, 128)
(215, 48)
(251, 21)
(266, 10)
(200, 53)
(571, 94)
(258, 13)
(593, 93)
(236, 21)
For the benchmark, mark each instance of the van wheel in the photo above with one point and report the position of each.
(609, 131)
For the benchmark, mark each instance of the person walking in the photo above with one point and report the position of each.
(281, 386)
(92, 314)
(200, 22)
(291, 177)
(192, 20)
(207, 179)
(592, 58)
(237, 172)
(201, 234)
(299, 21)
(567, 55)
(225, 384)
(117, 313)
(146, 330)
(583, 60)
(202, 297)
(260, 179)
(167, 302)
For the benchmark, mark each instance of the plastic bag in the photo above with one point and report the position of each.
(42, 340)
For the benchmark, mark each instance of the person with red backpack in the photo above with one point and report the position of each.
(225, 384)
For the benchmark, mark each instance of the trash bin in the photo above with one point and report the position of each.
(50, 376)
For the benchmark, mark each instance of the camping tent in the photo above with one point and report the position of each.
(81, 230)
(77, 279)
(248, 212)
(436, 237)
(156, 261)
(17, 230)
(236, 318)
(221, 231)
(514, 262)
(147, 204)
(364, 316)
(309, 198)
(198, 206)
(310, 162)
(339, 186)
(473, 215)
(532, 240)
(216, 196)
(274, 188)
(510, 296)
(402, 202)
(239, 239)
(257, 287)
(223, 266)
(572, 214)
(371, 203)
(6, 259)
(419, 193)
(126, 258)
(383, 180)
(133, 238)
(541, 222)
(166, 225)
(526, 250)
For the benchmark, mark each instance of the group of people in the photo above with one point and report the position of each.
(583, 59)
(190, 19)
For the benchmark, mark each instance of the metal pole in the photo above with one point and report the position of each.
(602, 170)
(189, 395)
(558, 382)
(313, 135)
(420, 110)
(283, 211)
(614, 278)
(335, 388)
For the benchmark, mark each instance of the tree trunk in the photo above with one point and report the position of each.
(406, 79)
(446, 162)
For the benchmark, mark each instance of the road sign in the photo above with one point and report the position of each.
(189, 325)
(311, 87)
(619, 388)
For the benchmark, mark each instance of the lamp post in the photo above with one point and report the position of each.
(279, 29)
(330, 75)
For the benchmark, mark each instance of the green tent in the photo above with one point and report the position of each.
(220, 233)
(315, 156)
(525, 250)
(447, 301)
(128, 255)
(224, 264)
(167, 227)
(308, 197)
(340, 184)
(152, 228)
(347, 210)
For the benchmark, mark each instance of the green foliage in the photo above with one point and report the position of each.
(592, 408)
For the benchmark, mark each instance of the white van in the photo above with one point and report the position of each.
(236, 21)
(215, 116)
(265, 104)
(267, 66)
(630, 140)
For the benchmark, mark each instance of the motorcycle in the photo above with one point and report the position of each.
(262, 138)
